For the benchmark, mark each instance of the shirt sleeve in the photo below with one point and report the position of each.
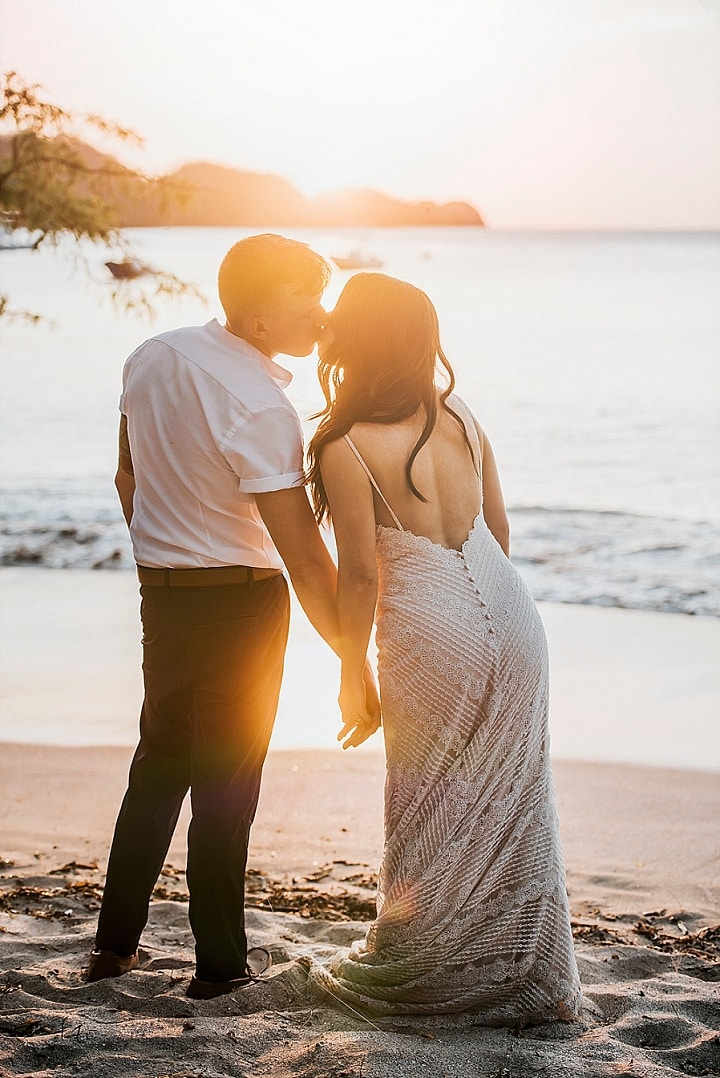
(265, 450)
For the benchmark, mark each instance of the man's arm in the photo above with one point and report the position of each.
(290, 521)
(125, 476)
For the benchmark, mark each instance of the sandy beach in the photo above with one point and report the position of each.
(641, 845)
(642, 853)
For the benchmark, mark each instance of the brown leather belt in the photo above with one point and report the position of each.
(203, 578)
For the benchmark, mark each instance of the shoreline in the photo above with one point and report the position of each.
(627, 686)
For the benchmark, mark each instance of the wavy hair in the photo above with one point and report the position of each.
(379, 368)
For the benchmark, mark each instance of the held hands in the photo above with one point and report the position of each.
(360, 706)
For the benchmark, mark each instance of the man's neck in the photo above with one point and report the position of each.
(257, 345)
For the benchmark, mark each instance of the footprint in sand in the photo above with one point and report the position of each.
(686, 1046)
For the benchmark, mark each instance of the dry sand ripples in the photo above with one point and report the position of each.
(650, 983)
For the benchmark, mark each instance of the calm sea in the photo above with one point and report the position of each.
(593, 362)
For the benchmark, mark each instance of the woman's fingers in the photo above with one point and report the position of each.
(357, 730)
(347, 728)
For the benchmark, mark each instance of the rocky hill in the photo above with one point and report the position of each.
(215, 195)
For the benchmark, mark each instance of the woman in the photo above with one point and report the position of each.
(472, 909)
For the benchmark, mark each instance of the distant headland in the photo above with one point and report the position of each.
(202, 193)
(214, 195)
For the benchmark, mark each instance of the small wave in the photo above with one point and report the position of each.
(600, 558)
(569, 511)
(66, 548)
(610, 558)
(76, 525)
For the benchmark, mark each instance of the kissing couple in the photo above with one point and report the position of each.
(472, 911)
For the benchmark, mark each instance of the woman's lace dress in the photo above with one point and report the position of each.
(472, 912)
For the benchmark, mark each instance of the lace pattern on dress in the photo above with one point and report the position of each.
(473, 915)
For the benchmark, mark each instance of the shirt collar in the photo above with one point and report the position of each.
(278, 374)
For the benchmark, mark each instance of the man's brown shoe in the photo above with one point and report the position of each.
(210, 989)
(104, 964)
(258, 960)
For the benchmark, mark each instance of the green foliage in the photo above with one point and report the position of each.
(54, 185)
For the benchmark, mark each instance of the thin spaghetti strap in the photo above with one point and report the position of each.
(371, 477)
(468, 419)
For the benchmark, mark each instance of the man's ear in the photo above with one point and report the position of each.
(258, 329)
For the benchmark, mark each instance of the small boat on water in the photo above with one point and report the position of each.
(128, 269)
(356, 260)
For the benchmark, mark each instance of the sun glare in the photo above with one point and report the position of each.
(552, 113)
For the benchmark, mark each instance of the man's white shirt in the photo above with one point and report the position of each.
(209, 427)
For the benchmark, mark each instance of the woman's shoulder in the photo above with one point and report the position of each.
(461, 409)
(360, 438)
(460, 406)
(375, 434)
(474, 433)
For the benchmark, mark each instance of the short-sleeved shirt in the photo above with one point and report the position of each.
(209, 427)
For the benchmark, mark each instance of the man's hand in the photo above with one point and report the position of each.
(372, 696)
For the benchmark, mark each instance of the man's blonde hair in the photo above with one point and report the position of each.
(255, 270)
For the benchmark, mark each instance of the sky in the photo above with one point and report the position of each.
(542, 113)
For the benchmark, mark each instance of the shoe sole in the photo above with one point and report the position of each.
(258, 960)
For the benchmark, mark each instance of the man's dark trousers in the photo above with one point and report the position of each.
(212, 667)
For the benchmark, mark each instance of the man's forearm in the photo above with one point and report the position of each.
(125, 475)
(315, 584)
(125, 486)
(289, 519)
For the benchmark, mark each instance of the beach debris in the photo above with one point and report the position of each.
(172, 872)
(331, 893)
(167, 894)
(184, 1074)
(654, 927)
(705, 943)
(591, 932)
(51, 903)
(320, 874)
(333, 902)
(73, 866)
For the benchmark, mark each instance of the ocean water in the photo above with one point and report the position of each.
(592, 361)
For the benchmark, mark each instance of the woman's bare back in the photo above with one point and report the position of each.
(445, 471)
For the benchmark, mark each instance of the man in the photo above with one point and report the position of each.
(211, 482)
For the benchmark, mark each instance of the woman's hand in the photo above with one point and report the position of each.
(360, 708)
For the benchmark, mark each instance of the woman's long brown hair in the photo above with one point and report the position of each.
(379, 368)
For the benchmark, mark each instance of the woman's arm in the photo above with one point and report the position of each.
(353, 514)
(493, 501)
